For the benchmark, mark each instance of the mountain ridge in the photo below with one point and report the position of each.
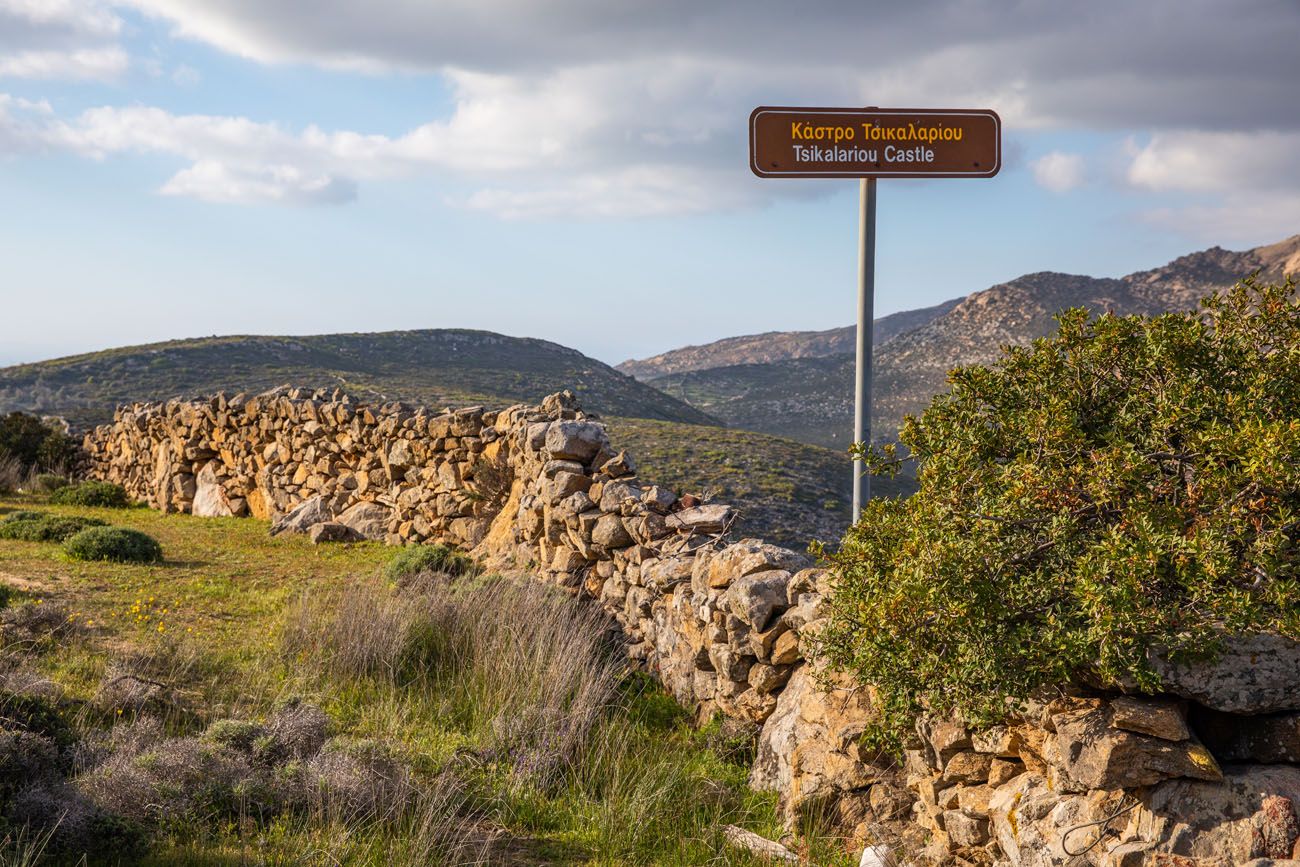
(431, 366)
(811, 399)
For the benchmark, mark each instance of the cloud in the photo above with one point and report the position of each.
(60, 39)
(1058, 172)
(1242, 186)
(88, 63)
(1163, 63)
(623, 108)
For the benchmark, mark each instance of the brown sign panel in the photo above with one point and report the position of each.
(874, 143)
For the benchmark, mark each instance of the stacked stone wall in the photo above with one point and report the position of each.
(1205, 773)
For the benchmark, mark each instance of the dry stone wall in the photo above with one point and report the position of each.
(1205, 775)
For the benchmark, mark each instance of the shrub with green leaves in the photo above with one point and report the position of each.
(46, 483)
(29, 526)
(116, 544)
(1131, 483)
(102, 494)
(33, 442)
(409, 562)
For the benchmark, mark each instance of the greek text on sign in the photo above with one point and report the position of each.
(874, 143)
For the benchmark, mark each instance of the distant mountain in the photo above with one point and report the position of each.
(811, 399)
(433, 367)
(776, 345)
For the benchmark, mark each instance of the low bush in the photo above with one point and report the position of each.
(101, 494)
(117, 544)
(44, 527)
(46, 483)
(409, 562)
(1127, 484)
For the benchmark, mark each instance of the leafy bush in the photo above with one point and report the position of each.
(409, 562)
(46, 483)
(102, 494)
(117, 544)
(34, 443)
(1129, 484)
(44, 527)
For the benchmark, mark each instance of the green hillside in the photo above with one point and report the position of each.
(788, 492)
(433, 367)
(808, 399)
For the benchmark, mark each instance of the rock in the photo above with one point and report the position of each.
(757, 597)
(666, 573)
(310, 511)
(610, 532)
(889, 801)
(747, 557)
(1001, 771)
(786, 649)
(964, 828)
(399, 459)
(711, 518)
(760, 846)
(878, 855)
(1161, 719)
(1029, 821)
(1091, 754)
(369, 520)
(768, 678)
(210, 500)
(1250, 814)
(619, 465)
(1000, 741)
(967, 767)
(1255, 674)
(575, 440)
(332, 531)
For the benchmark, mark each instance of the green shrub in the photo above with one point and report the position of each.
(46, 483)
(117, 544)
(32, 442)
(1130, 483)
(409, 562)
(103, 494)
(44, 527)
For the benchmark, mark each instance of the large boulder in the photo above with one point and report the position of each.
(757, 598)
(810, 747)
(313, 510)
(1092, 753)
(210, 499)
(1254, 674)
(575, 440)
(368, 520)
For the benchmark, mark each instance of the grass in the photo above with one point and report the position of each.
(522, 735)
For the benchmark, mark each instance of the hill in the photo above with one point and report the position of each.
(433, 367)
(788, 492)
(811, 399)
(776, 345)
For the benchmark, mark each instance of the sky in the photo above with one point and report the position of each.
(576, 170)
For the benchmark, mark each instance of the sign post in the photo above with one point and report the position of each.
(871, 143)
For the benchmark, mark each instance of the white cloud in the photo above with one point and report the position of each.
(1058, 172)
(619, 107)
(1242, 186)
(1199, 161)
(88, 63)
(60, 39)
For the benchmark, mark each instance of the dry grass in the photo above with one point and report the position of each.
(529, 669)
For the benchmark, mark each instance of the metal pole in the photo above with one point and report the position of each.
(866, 318)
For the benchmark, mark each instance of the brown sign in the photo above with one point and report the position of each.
(874, 143)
